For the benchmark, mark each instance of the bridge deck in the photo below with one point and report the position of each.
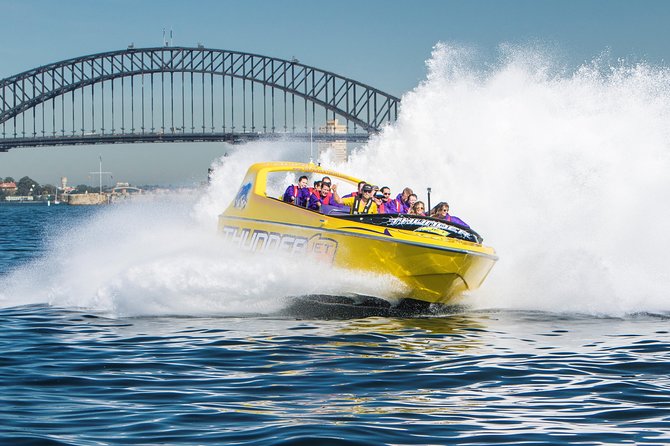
(130, 138)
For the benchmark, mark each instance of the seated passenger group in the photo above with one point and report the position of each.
(367, 199)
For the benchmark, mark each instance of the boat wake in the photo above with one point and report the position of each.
(164, 257)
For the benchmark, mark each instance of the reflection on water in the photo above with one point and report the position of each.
(461, 377)
(352, 306)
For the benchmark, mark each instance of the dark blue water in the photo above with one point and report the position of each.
(74, 376)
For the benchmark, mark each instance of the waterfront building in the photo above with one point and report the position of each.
(333, 150)
(8, 188)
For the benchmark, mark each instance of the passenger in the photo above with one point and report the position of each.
(360, 204)
(441, 211)
(411, 200)
(324, 197)
(418, 209)
(358, 191)
(403, 197)
(389, 205)
(378, 198)
(297, 194)
(326, 180)
(316, 189)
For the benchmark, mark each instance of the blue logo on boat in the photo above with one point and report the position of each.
(242, 196)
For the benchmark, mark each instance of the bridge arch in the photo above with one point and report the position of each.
(63, 94)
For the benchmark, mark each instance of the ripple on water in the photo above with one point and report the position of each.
(71, 377)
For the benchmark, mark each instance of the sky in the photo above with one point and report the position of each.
(381, 43)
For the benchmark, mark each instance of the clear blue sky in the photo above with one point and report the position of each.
(381, 43)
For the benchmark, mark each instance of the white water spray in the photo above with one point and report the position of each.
(163, 256)
(563, 173)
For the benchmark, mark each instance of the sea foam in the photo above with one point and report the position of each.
(564, 172)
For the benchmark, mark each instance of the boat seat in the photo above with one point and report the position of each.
(335, 210)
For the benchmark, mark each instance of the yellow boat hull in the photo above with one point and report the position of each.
(433, 268)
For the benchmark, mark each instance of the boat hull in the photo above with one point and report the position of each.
(427, 271)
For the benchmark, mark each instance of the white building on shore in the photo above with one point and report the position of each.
(333, 150)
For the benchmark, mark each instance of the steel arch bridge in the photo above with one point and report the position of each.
(171, 94)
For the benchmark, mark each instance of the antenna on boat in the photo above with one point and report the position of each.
(429, 208)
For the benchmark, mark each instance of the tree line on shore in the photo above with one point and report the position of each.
(26, 186)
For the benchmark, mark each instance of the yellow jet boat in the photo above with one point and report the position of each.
(435, 260)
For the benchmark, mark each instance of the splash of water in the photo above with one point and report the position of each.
(564, 173)
(163, 256)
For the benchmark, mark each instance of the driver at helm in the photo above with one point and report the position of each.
(361, 203)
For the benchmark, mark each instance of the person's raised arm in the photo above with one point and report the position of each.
(336, 196)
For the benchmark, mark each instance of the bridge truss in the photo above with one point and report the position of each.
(172, 94)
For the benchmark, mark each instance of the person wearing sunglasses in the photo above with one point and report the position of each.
(441, 211)
(389, 205)
(418, 208)
(360, 204)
